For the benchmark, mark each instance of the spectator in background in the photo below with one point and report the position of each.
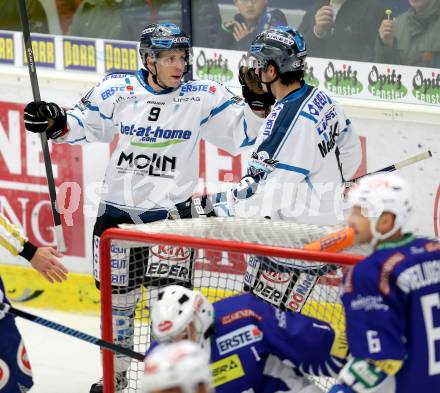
(342, 29)
(66, 9)
(413, 37)
(117, 19)
(10, 16)
(253, 18)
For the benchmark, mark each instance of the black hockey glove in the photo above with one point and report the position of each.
(45, 117)
(253, 93)
(195, 207)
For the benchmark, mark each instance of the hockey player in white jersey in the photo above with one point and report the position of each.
(155, 167)
(306, 149)
(310, 141)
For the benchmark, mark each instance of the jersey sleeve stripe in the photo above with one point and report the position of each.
(292, 168)
(308, 116)
(94, 108)
(217, 110)
(308, 182)
(8, 246)
(77, 140)
(77, 119)
(10, 237)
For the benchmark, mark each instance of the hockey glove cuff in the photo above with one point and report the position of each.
(46, 117)
(261, 167)
(253, 93)
(362, 376)
(195, 207)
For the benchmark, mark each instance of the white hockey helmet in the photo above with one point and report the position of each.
(181, 364)
(380, 193)
(176, 307)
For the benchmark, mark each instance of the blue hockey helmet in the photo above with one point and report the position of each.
(282, 45)
(160, 37)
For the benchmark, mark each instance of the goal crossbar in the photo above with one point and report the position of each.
(146, 238)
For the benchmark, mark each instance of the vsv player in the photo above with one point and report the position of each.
(392, 298)
(253, 346)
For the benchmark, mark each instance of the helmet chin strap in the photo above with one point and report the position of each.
(267, 84)
(156, 80)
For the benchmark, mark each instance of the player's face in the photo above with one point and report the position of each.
(170, 66)
(250, 9)
(190, 333)
(360, 224)
(419, 5)
(267, 74)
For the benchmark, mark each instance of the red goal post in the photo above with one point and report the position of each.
(223, 247)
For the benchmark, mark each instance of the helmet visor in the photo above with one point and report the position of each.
(254, 62)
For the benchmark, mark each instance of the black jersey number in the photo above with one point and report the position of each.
(154, 113)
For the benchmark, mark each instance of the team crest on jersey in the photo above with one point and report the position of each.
(23, 360)
(4, 374)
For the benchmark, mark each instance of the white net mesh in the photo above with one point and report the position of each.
(311, 287)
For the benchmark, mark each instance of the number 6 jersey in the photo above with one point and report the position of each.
(392, 304)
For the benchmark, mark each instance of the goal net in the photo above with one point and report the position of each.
(220, 257)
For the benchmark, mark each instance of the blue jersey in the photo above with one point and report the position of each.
(392, 304)
(252, 339)
(15, 369)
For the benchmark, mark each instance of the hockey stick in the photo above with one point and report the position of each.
(36, 93)
(333, 242)
(394, 167)
(75, 333)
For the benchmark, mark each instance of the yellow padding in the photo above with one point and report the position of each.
(390, 367)
(25, 286)
(332, 313)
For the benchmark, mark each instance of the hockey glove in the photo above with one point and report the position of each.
(260, 166)
(45, 117)
(362, 376)
(257, 170)
(197, 206)
(253, 93)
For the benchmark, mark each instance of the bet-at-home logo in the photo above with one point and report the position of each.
(386, 86)
(425, 88)
(215, 69)
(342, 82)
(309, 76)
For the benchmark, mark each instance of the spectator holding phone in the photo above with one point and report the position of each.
(342, 29)
(253, 18)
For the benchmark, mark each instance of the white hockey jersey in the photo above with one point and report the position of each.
(316, 148)
(156, 161)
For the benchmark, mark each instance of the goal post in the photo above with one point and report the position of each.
(221, 249)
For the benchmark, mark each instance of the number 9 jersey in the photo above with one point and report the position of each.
(156, 160)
